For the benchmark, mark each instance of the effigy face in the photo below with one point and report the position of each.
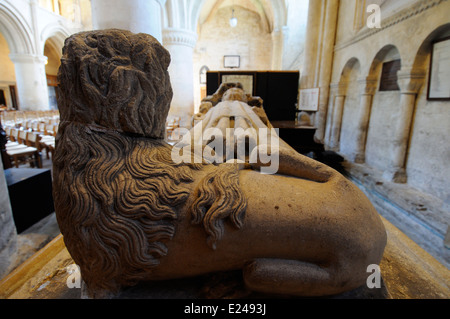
(130, 213)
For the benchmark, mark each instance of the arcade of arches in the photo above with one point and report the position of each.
(374, 107)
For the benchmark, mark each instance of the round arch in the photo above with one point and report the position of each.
(349, 69)
(15, 31)
(424, 50)
(54, 35)
(386, 53)
(347, 100)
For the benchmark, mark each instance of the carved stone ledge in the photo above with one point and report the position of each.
(410, 81)
(179, 37)
(27, 58)
(401, 16)
(368, 86)
(339, 89)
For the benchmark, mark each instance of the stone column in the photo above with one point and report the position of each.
(8, 232)
(410, 82)
(319, 50)
(133, 15)
(278, 42)
(326, 65)
(311, 43)
(31, 81)
(339, 91)
(368, 88)
(181, 43)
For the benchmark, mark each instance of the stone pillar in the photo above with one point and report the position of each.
(312, 34)
(367, 91)
(181, 43)
(319, 49)
(31, 81)
(326, 65)
(278, 43)
(339, 91)
(410, 83)
(133, 15)
(8, 232)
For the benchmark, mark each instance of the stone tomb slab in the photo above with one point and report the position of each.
(408, 272)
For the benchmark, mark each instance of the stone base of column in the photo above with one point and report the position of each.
(397, 175)
(333, 148)
(359, 158)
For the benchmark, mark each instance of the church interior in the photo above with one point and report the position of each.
(360, 85)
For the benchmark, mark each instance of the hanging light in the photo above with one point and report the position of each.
(233, 20)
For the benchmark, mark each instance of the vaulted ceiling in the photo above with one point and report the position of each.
(190, 14)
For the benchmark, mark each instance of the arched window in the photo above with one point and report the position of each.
(204, 69)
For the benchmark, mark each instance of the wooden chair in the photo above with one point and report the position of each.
(24, 150)
(34, 126)
(171, 125)
(8, 130)
(50, 130)
(14, 135)
(33, 139)
(25, 155)
(12, 140)
(22, 136)
(41, 128)
(48, 143)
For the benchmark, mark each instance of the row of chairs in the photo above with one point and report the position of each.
(48, 128)
(19, 118)
(25, 145)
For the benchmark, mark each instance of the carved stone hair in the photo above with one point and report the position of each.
(224, 87)
(117, 194)
(118, 79)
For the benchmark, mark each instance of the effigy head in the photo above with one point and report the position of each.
(116, 79)
(235, 94)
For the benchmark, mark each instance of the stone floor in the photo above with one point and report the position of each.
(33, 239)
(37, 236)
(423, 218)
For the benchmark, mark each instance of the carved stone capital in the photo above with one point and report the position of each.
(410, 80)
(179, 37)
(339, 89)
(27, 58)
(367, 86)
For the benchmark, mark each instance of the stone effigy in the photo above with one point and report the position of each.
(228, 115)
(129, 213)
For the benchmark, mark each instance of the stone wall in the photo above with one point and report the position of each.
(397, 133)
(216, 39)
(406, 33)
(295, 34)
